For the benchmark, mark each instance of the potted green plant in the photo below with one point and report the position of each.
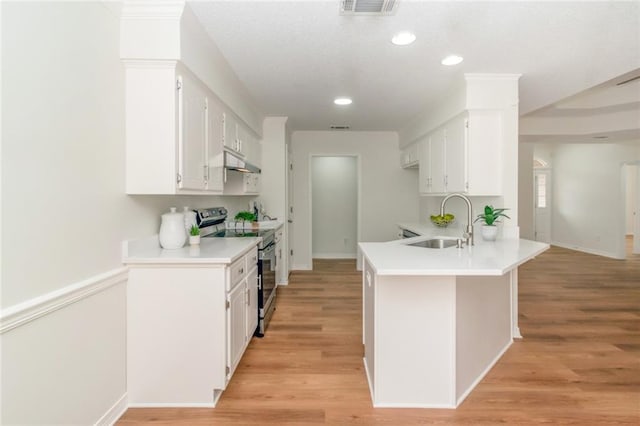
(246, 216)
(194, 235)
(490, 218)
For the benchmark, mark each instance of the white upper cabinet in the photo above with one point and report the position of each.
(192, 135)
(176, 132)
(241, 140)
(455, 158)
(463, 156)
(484, 152)
(215, 155)
(432, 163)
(231, 139)
(409, 156)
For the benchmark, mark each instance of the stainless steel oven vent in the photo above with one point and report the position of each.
(368, 7)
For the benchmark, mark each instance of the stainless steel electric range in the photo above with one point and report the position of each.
(211, 222)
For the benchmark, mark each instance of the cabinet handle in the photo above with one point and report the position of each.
(248, 297)
(242, 270)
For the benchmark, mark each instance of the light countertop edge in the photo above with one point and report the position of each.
(210, 251)
(483, 259)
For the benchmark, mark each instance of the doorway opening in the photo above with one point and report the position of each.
(542, 204)
(334, 206)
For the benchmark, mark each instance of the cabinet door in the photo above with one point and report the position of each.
(215, 143)
(192, 134)
(242, 145)
(424, 171)
(230, 132)
(409, 156)
(456, 158)
(237, 325)
(484, 147)
(437, 161)
(368, 321)
(252, 302)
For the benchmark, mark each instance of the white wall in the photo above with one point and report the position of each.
(64, 211)
(334, 200)
(588, 199)
(525, 191)
(388, 193)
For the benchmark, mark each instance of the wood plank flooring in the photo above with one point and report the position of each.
(578, 364)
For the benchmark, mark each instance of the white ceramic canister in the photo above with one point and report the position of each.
(172, 233)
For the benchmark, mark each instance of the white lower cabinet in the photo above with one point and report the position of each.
(187, 328)
(237, 322)
(242, 307)
(368, 322)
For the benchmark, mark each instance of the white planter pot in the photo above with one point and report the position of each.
(194, 240)
(489, 232)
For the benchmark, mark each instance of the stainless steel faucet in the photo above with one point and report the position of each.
(468, 234)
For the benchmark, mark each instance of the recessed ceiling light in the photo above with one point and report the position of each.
(403, 38)
(452, 60)
(342, 101)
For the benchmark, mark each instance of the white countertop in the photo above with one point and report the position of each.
(484, 258)
(209, 251)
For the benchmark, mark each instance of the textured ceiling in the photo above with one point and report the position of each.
(295, 56)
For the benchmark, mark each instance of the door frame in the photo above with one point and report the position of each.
(549, 173)
(623, 218)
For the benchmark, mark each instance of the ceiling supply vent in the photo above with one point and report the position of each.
(368, 7)
(335, 127)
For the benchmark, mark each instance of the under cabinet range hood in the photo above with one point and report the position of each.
(234, 162)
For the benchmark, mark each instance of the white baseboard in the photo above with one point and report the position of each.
(334, 255)
(25, 312)
(111, 417)
(588, 250)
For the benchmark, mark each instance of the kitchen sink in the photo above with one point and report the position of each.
(435, 243)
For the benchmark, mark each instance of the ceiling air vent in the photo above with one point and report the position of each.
(368, 7)
(336, 127)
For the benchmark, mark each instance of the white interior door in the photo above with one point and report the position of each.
(542, 203)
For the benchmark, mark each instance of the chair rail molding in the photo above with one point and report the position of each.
(30, 310)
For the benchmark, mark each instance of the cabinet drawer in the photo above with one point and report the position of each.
(252, 259)
(238, 271)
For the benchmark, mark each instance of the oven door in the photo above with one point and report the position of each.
(267, 292)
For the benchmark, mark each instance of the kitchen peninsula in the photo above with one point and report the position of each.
(436, 320)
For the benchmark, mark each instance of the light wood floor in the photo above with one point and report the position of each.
(578, 364)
